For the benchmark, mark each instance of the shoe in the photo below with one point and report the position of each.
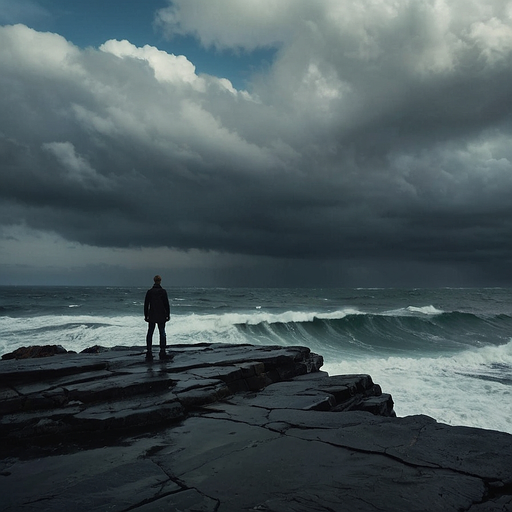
(164, 356)
(149, 356)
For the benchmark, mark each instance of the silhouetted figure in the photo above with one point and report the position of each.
(156, 312)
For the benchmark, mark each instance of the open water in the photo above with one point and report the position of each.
(446, 353)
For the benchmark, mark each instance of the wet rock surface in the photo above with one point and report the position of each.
(230, 428)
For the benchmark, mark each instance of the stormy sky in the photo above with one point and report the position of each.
(256, 143)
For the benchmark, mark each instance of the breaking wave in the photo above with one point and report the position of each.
(422, 329)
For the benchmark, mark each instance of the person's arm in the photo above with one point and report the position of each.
(167, 306)
(146, 307)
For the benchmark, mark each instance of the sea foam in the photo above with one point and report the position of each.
(463, 389)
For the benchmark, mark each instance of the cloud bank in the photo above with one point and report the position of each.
(380, 135)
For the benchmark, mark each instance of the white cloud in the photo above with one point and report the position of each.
(167, 67)
(493, 37)
(422, 35)
(231, 23)
(40, 52)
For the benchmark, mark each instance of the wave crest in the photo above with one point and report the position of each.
(424, 329)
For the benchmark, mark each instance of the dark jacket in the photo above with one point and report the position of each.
(156, 305)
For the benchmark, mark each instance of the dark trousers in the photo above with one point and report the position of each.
(151, 330)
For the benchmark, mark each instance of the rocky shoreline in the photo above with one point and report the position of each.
(229, 428)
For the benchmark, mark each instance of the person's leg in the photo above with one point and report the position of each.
(149, 337)
(163, 337)
(163, 343)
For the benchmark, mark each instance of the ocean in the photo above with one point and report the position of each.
(446, 353)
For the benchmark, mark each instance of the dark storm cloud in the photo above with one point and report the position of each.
(382, 131)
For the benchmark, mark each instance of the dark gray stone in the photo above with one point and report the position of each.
(246, 468)
(35, 351)
(225, 428)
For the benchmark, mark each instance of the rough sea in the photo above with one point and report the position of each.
(446, 353)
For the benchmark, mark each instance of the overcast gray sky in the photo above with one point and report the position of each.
(368, 143)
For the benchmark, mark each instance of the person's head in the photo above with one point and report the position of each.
(157, 279)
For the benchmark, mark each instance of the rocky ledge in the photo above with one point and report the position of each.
(229, 428)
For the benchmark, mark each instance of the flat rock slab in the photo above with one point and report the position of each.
(117, 388)
(108, 478)
(224, 428)
(251, 468)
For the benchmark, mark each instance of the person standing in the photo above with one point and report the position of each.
(156, 312)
